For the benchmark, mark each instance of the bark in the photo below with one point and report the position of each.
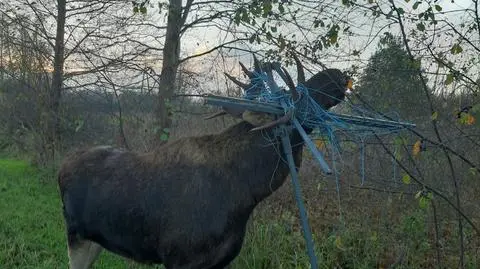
(52, 126)
(171, 55)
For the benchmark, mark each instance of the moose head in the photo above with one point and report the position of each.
(326, 88)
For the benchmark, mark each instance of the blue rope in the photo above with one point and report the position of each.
(310, 114)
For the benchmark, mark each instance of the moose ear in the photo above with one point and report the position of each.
(234, 112)
(257, 118)
(265, 121)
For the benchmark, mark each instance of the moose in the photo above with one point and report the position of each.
(186, 203)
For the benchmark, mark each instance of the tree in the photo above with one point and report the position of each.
(390, 82)
(54, 96)
(171, 60)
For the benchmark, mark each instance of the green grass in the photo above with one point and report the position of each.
(32, 234)
(31, 225)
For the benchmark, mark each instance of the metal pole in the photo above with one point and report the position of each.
(307, 233)
(312, 147)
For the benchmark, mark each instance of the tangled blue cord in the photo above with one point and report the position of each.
(312, 115)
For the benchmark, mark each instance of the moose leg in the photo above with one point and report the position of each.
(82, 253)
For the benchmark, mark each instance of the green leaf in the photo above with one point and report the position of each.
(434, 116)
(166, 130)
(237, 17)
(423, 202)
(164, 137)
(282, 44)
(398, 141)
(473, 171)
(333, 34)
(450, 78)
(406, 179)
(476, 108)
(245, 17)
(438, 7)
(456, 49)
(143, 10)
(274, 29)
(333, 38)
(390, 14)
(267, 8)
(252, 38)
(415, 6)
(268, 35)
(421, 26)
(398, 155)
(400, 10)
(135, 9)
(281, 9)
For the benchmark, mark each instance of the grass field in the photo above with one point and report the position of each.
(32, 231)
(32, 234)
(31, 225)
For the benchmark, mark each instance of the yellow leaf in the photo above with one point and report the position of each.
(434, 115)
(470, 120)
(406, 179)
(350, 84)
(320, 144)
(416, 148)
(338, 242)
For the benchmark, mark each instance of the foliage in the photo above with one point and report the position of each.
(391, 83)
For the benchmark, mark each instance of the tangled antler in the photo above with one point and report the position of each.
(254, 87)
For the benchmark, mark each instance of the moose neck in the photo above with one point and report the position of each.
(262, 161)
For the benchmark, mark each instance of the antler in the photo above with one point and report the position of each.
(236, 81)
(246, 87)
(293, 89)
(288, 80)
(258, 69)
(227, 110)
(300, 72)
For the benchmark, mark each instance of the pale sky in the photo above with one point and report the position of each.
(198, 41)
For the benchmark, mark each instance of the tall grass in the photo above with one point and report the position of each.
(32, 232)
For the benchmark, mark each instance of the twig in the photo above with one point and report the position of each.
(437, 133)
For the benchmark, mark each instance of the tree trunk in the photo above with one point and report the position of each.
(52, 121)
(171, 54)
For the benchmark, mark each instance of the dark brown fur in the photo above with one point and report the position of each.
(185, 205)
